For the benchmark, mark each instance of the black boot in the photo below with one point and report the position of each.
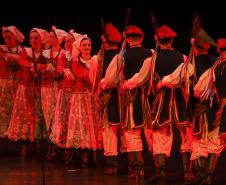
(137, 166)
(212, 163)
(52, 153)
(200, 168)
(23, 152)
(49, 150)
(187, 166)
(137, 170)
(109, 165)
(160, 163)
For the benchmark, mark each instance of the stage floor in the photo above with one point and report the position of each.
(15, 170)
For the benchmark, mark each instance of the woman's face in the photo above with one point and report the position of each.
(35, 40)
(10, 39)
(53, 39)
(85, 46)
(68, 42)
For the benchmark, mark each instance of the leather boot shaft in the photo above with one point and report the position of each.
(160, 165)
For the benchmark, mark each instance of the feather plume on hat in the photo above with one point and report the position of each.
(202, 39)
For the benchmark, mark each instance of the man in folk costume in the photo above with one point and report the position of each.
(133, 114)
(169, 106)
(109, 100)
(211, 83)
(202, 121)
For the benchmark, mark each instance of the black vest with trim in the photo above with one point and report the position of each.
(169, 105)
(134, 59)
(113, 103)
(220, 73)
(202, 63)
(167, 61)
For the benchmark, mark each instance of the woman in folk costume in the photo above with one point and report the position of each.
(9, 55)
(53, 81)
(202, 121)
(212, 83)
(170, 104)
(22, 124)
(109, 100)
(59, 126)
(70, 39)
(40, 128)
(82, 116)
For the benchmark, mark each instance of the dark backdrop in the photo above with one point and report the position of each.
(84, 16)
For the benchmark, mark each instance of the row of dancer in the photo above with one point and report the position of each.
(44, 87)
(160, 89)
(141, 89)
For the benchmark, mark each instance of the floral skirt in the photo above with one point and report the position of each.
(58, 134)
(82, 129)
(21, 125)
(48, 99)
(6, 105)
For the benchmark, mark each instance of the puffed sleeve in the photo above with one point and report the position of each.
(112, 75)
(174, 79)
(202, 83)
(93, 68)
